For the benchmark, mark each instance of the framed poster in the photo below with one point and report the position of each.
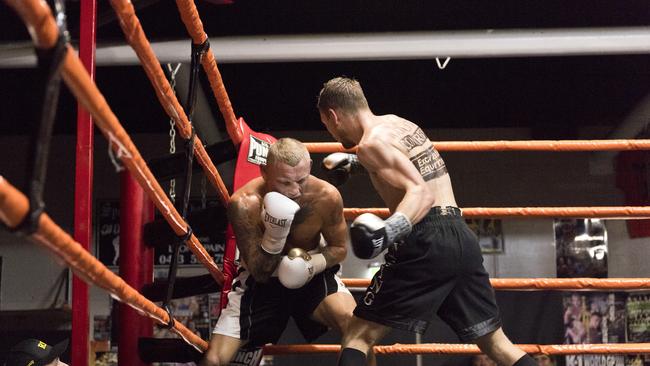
(107, 237)
(638, 317)
(594, 318)
(581, 248)
(106, 232)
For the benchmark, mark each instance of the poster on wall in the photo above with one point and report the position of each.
(489, 233)
(638, 325)
(107, 232)
(638, 318)
(581, 248)
(592, 318)
(107, 238)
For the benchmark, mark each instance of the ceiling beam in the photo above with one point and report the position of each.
(379, 46)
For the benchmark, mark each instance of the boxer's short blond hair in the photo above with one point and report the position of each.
(288, 151)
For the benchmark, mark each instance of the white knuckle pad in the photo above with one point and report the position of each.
(279, 205)
(335, 160)
(369, 220)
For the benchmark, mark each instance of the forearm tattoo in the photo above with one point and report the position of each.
(302, 214)
(249, 235)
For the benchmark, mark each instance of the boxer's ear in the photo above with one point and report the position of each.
(263, 171)
(329, 116)
(334, 116)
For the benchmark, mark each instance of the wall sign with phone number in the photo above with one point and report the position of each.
(107, 243)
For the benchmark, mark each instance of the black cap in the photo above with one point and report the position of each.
(32, 352)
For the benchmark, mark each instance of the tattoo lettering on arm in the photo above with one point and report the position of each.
(244, 219)
(429, 164)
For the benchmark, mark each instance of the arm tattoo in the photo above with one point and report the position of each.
(302, 214)
(335, 232)
(249, 236)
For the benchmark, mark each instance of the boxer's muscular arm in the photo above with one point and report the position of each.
(393, 167)
(244, 216)
(334, 230)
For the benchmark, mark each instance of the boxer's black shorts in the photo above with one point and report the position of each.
(437, 269)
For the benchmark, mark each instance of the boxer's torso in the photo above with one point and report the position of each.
(411, 141)
(307, 225)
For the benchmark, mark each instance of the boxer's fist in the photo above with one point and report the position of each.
(277, 214)
(370, 235)
(339, 166)
(298, 267)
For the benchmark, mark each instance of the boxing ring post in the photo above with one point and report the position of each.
(136, 264)
(146, 264)
(83, 191)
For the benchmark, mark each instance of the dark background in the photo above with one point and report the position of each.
(552, 95)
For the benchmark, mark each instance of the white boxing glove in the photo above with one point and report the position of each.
(277, 214)
(298, 267)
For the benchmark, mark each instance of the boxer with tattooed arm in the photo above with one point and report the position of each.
(291, 235)
(433, 263)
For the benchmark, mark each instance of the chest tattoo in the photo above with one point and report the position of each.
(303, 213)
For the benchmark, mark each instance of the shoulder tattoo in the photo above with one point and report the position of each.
(413, 140)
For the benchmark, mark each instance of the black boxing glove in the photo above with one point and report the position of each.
(339, 166)
(370, 235)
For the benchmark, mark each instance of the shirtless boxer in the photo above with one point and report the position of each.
(434, 263)
(291, 235)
